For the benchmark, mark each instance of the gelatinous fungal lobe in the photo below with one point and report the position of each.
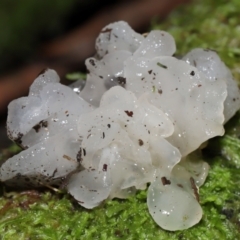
(157, 43)
(121, 155)
(137, 120)
(44, 163)
(117, 36)
(173, 200)
(209, 63)
(178, 95)
(49, 109)
(104, 74)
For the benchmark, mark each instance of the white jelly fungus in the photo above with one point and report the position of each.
(140, 118)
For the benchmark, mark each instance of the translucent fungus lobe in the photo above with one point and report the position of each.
(139, 119)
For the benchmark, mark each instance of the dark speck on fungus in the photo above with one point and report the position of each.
(79, 155)
(140, 142)
(129, 113)
(194, 187)
(161, 65)
(92, 62)
(121, 81)
(165, 181)
(192, 73)
(84, 152)
(41, 124)
(105, 167)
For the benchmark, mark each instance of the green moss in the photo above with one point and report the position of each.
(49, 215)
(76, 76)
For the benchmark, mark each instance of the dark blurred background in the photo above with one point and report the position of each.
(59, 35)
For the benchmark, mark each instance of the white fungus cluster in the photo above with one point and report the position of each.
(139, 119)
